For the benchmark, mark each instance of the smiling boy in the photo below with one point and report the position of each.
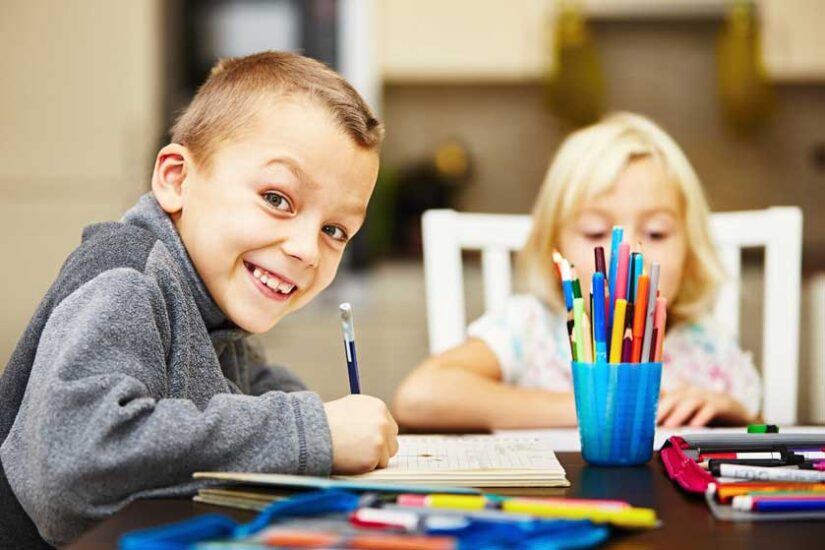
(136, 371)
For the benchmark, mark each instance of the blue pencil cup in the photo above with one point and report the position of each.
(616, 408)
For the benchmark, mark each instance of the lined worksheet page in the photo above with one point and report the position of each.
(474, 452)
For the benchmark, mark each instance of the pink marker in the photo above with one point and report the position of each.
(659, 320)
(621, 272)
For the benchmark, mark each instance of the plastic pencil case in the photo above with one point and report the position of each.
(678, 453)
(683, 470)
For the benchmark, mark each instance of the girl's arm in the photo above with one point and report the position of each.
(463, 389)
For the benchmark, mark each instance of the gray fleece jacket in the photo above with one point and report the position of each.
(128, 379)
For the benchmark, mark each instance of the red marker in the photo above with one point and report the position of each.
(772, 455)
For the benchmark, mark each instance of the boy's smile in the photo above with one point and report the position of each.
(267, 224)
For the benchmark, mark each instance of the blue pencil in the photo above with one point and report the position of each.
(615, 240)
(599, 319)
(638, 268)
(349, 347)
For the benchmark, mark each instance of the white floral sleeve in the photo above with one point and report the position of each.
(705, 355)
(530, 342)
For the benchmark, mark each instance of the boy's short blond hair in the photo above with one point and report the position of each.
(587, 164)
(227, 102)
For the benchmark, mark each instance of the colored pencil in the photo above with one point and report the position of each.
(599, 318)
(659, 322)
(651, 310)
(639, 318)
(621, 271)
(579, 334)
(618, 331)
(615, 240)
(588, 342)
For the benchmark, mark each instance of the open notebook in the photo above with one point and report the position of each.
(496, 460)
(423, 464)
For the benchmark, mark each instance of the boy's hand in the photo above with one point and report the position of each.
(695, 407)
(364, 434)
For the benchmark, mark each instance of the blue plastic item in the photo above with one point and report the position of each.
(482, 534)
(181, 535)
(616, 409)
(209, 527)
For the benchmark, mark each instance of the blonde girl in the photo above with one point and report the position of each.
(513, 371)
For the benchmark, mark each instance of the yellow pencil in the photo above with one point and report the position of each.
(624, 517)
(618, 329)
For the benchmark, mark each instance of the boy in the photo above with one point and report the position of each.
(135, 370)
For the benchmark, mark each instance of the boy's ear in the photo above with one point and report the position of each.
(172, 166)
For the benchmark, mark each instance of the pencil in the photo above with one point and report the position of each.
(618, 330)
(588, 342)
(578, 327)
(659, 321)
(651, 310)
(615, 239)
(349, 347)
(639, 318)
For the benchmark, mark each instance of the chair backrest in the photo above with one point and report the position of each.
(778, 230)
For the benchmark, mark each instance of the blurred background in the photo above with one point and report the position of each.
(476, 96)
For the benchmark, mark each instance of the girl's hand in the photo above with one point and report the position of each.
(695, 407)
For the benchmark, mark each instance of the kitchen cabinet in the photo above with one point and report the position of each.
(459, 40)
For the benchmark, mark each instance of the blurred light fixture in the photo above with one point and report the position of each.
(745, 93)
(575, 85)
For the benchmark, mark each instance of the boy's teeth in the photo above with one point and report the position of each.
(272, 282)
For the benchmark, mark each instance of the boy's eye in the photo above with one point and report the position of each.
(657, 235)
(335, 232)
(595, 235)
(278, 201)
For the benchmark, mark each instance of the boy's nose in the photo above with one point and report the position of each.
(302, 244)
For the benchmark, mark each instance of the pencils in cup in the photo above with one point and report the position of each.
(349, 347)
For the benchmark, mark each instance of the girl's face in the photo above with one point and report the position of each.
(650, 211)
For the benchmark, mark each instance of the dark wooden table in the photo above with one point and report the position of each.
(687, 521)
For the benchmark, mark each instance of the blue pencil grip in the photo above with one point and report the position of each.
(352, 368)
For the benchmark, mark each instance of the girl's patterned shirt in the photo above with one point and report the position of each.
(530, 341)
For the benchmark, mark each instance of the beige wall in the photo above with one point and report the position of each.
(663, 69)
(79, 119)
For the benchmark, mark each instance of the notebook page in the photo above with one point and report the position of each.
(474, 452)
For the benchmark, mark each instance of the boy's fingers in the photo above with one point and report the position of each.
(385, 458)
(393, 445)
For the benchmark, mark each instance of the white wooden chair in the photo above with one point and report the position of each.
(779, 230)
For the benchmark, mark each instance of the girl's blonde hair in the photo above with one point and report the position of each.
(587, 164)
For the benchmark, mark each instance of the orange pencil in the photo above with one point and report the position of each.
(639, 312)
